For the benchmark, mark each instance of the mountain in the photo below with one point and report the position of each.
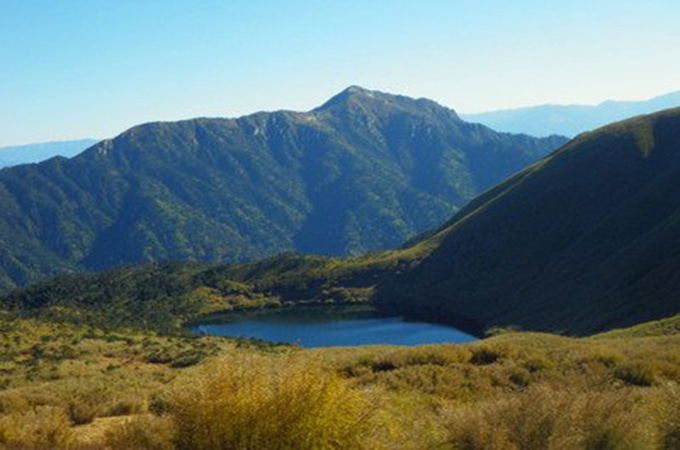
(585, 240)
(33, 153)
(363, 172)
(570, 120)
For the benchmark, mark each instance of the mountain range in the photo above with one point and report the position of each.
(586, 239)
(33, 153)
(570, 120)
(363, 172)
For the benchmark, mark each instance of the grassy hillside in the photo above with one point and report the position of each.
(363, 172)
(64, 385)
(583, 241)
(663, 327)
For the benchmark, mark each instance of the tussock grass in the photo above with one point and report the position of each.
(251, 402)
(510, 391)
(546, 418)
(144, 432)
(668, 414)
(41, 427)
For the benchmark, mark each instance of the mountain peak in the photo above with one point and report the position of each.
(352, 93)
(354, 89)
(371, 100)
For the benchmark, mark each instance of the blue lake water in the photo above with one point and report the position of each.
(324, 327)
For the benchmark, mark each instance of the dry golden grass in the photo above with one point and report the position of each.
(253, 402)
(41, 427)
(546, 418)
(512, 391)
(144, 432)
(668, 416)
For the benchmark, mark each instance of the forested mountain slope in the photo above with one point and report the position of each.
(363, 172)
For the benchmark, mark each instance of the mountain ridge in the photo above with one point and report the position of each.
(343, 179)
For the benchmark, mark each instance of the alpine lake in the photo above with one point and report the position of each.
(336, 326)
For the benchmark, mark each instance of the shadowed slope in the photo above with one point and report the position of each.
(585, 240)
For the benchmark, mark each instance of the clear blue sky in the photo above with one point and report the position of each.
(92, 68)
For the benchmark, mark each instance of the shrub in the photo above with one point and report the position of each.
(159, 404)
(12, 401)
(535, 365)
(162, 356)
(635, 375)
(81, 413)
(483, 356)
(85, 401)
(519, 377)
(129, 404)
(188, 359)
(244, 402)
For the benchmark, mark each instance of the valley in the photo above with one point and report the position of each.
(554, 288)
(361, 225)
(108, 359)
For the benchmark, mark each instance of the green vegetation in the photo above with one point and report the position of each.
(668, 326)
(366, 171)
(164, 297)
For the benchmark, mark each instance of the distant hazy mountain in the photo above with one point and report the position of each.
(569, 120)
(585, 240)
(33, 153)
(365, 171)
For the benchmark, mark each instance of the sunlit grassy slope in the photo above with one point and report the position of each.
(64, 384)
